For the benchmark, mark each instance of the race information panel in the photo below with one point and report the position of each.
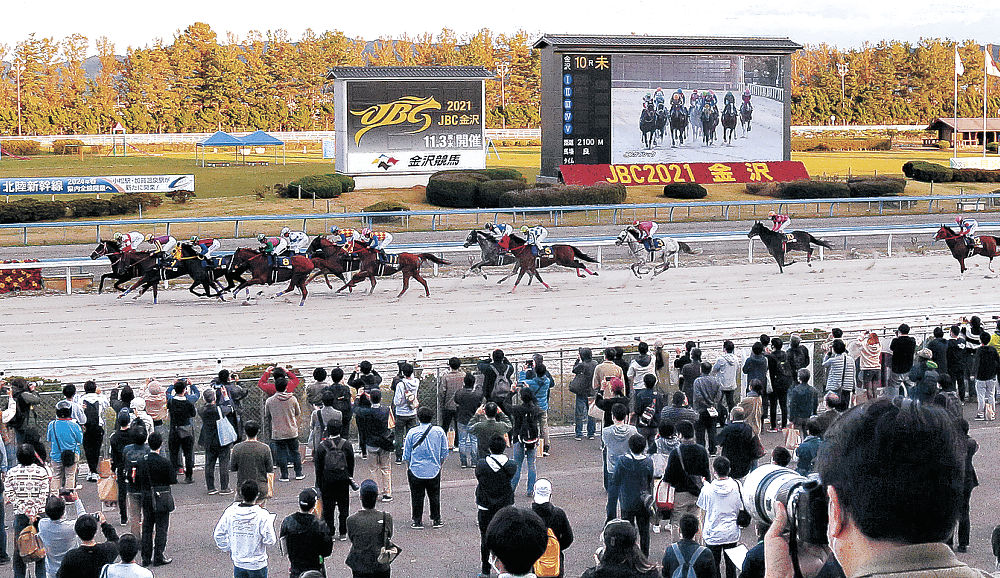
(586, 109)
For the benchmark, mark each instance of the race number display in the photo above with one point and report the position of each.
(414, 126)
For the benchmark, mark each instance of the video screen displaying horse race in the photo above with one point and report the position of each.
(696, 108)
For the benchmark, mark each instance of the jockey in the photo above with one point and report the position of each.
(501, 234)
(376, 241)
(779, 222)
(710, 98)
(163, 246)
(746, 97)
(694, 96)
(298, 241)
(967, 229)
(127, 242)
(730, 101)
(205, 247)
(344, 238)
(677, 98)
(534, 237)
(658, 96)
(647, 100)
(646, 231)
(272, 245)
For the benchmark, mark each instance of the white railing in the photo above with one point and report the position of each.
(804, 128)
(192, 138)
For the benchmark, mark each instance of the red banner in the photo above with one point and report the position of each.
(702, 173)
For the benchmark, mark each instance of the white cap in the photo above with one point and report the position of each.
(543, 491)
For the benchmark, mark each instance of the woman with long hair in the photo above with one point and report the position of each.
(620, 555)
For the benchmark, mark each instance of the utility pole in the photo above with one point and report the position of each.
(842, 71)
(18, 73)
(502, 69)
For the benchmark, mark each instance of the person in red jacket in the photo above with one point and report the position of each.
(266, 384)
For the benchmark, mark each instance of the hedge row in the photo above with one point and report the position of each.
(21, 148)
(935, 173)
(66, 146)
(383, 206)
(471, 189)
(328, 186)
(854, 187)
(840, 144)
(30, 210)
(684, 191)
(599, 194)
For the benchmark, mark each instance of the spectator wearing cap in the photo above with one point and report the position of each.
(64, 437)
(305, 539)
(554, 517)
(26, 486)
(985, 365)
(493, 491)
(282, 411)
(518, 538)
(923, 377)
(425, 449)
(368, 529)
(615, 394)
(377, 439)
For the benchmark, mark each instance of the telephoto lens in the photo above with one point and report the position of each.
(764, 487)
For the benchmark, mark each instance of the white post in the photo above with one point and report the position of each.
(69, 282)
(750, 252)
(889, 248)
(600, 256)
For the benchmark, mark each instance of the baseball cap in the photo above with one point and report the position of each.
(307, 498)
(543, 491)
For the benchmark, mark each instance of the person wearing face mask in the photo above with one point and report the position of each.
(875, 530)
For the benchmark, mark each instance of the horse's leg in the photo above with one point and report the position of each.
(515, 269)
(518, 280)
(302, 287)
(103, 277)
(134, 285)
(372, 279)
(539, 277)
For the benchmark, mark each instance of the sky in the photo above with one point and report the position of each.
(845, 23)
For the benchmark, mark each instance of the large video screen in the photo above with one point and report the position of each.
(666, 108)
(414, 126)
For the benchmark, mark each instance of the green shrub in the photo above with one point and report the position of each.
(322, 186)
(807, 189)
(992, 147)
(127, 203)
(90, 207)
(684, 191)
(761, 189)
(383, 206)
(599, 194)
(975, 176)
(21, 148)
(501, 174)
(908, 169)
(826, 143)
(488, 193)
(66, 146)
(346, 182)
(943, 145)
(180, 197)
(30, 210)
(456, 190)
(876, 186)
(928, 172)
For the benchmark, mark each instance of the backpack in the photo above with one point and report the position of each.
(528, 432)
(29, 545)
(335, 462)
(501, 387)
(550, 564)
(648, 416)
(686, 567)
(92, 412)
(784, 368)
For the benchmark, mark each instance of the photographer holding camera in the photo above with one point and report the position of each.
(893, 475)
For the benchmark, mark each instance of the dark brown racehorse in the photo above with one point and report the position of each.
(188, 264)
(408, 263)
(262, 273)
(125, 265)
(961, 250)
(778, 244)
(565, 255)
(329, 257)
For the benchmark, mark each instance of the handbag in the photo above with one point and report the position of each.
(107, 489)
(649, 503)
(594, 411)
(104, 468)
(792, 438)
(389, 551)
(743, 518)
(29, 545)
(184, 431)
(226, 431)
(270, 486)
(664, 495)
(698, 482)
(712, 412)
(163, 499)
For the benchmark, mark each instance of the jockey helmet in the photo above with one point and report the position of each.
(695, 91)
(149, 237)
(118, 236)
(285, 231)
(746, 92)
(524, 228)
(679, 91)
(772, 214)
(334, 230)
(635, 223)
(261, 238)
(658, 89)
(194, 238)
(366, 232)
(647, 98)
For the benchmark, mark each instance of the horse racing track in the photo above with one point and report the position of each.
(63, 335)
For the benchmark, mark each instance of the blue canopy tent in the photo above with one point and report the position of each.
(262, 139)
(219, 139)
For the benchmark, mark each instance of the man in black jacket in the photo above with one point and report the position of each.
(376, 438)
(957, 357)
(687, 470)
(364, 377)
(155, 474)
(554, 518)
(678, 410)
(493, 492)
(334, 478)
(342, 400)
(497, 367)
(306, 540)
(468, 399)
(903, 348)
(739, 444)
(644, 400)
(181, 411)
(939, 350)
(782, 375)
(798, 354)
(87, 560)
(986, 365)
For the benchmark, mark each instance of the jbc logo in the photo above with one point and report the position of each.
(409, 110)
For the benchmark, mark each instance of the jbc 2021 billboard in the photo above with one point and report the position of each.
(414, 126)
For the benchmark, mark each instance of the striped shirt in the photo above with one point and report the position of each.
(26, 488)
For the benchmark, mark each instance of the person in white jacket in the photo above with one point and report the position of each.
(245, 530)
(640, 366)
(725, 369)
(720, 503)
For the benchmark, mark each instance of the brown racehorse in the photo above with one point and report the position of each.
(125, 265)
(565, 255)
(329, 257)
(960, 249)
(408, 263)
(261, 272)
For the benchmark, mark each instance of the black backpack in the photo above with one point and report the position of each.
(528, 432)
(647, 417)
(93, 413)
(502, 385)
(335, 462)
(784, 367)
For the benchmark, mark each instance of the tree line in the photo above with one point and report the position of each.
(270, 81)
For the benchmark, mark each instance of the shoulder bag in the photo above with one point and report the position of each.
(697, 483)
(388, 551)
(743, 518)
(160, 497)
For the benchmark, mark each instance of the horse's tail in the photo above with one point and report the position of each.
(583, 256)
(434, 259)
(820, 242)
(685, 248)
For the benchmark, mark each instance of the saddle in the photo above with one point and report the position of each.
(544, 252)
(219, 262)
(654, 244)
(789, 237)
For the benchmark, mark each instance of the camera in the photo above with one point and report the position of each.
(804, 498)
(354, 485)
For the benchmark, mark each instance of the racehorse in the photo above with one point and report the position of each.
(778, 244)
(124, 266)
(961, 251)
(666, 246)
(491, 255)
(527, 262)
(408, 263)
(678, 124)
(661, 123)
(728, 124)
(694, 116)
(709, 120)
(647, 125)
(263, 273)
(188, 264)
(746, 115)
(329, 257)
